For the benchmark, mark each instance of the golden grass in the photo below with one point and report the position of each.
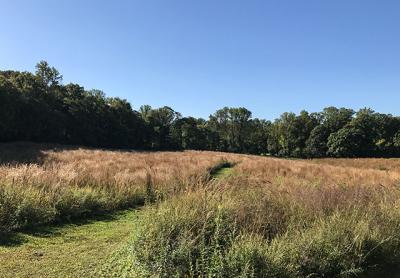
(277, 218)
(263, 206)
(74, 182)
(270, 188)
(383, 164)
(82, 167)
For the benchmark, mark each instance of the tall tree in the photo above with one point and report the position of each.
(48, 76)
(232, 125)
(38, 107)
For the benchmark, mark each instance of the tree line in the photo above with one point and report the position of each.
(38, 107)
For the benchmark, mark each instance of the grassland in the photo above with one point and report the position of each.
(77, 249)
(72, 184)
(202, 214)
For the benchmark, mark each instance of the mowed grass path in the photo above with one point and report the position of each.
(71, 250)
(223, 172)
(82, 249)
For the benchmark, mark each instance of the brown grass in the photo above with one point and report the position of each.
(278, 218)
(289, 214)
(101, 168)
(270, 186)
(383, 164)
(74, 182)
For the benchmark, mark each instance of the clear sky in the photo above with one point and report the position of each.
(269, 56)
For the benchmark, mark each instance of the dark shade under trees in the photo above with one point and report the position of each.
(38, 107)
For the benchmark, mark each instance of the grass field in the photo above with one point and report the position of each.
(70, 250)
(195, 214)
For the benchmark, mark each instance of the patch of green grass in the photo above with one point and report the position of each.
(222, 170)
(223, 173)
(72, 250)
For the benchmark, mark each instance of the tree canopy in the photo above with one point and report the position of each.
(38, 107)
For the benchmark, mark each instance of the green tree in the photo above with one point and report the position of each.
(316, 144)
(190, 133)
(161, 120)
(48, 76)
(336, 118)
(38, 107)
(347, 142)
(232, 126)
(257, 138)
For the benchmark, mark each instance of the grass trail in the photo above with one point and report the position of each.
(72, 250)
(119, 263)
(222, 172)
(93, 248)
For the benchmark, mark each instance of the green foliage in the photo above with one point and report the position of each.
(190, 133)
(290, 133)
(48, 76)
(232, 126)
(316, 144)
(396, 140)
(38, 107)
(346, 142)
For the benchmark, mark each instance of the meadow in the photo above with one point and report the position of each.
(209, 214)
(66, 184)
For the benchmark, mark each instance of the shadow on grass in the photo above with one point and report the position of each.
(13, 153)
(17, 238)
(11, 239)
(387, 271)
(28, 152)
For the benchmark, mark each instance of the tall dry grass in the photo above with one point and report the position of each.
(277, 218)
(75, 182)
(269, 218)
(388, 164)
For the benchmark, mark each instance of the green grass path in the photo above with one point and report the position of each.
(72, 250)
(222, 173)
(93, 248)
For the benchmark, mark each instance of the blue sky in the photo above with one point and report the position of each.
(269, 56)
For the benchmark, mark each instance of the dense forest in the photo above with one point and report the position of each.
(38, 107)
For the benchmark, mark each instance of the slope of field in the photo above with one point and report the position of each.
(265, 217)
